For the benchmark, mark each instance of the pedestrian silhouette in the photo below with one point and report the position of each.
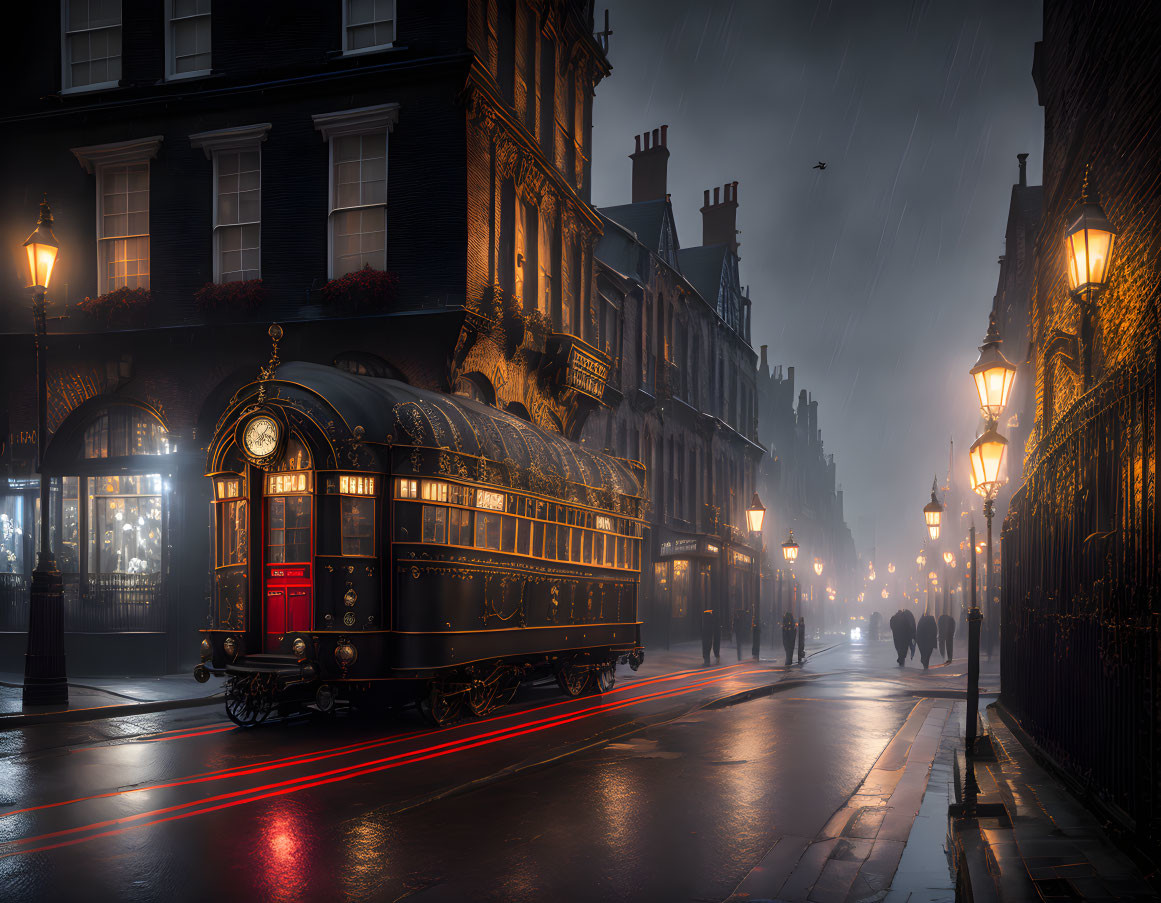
(741, 623)
(926, 634)
(903, 633)
(947, 636)
(876, 625)
(789, 631)
(801, 640)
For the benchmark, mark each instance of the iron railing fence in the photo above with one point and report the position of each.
(1081, 617)
(106, 603)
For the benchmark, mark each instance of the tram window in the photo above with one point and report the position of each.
(550, 541)
(461, 527)
(229, 489)
(604, 522)
(610, 550)
(523, 532)
(598, 548)
(491, 501)
(575, 549)
(288, 530)
(233, 533)
(358, 526)
(434, 491)
(407, 489)
(620, 552)
(588, 555)
(537, 540)
(508, 534)
(512, 502)
(435, 524)
(487, 531)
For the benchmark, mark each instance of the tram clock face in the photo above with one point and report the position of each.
(261, 437)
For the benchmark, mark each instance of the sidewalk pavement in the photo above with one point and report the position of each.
(106, 697)
(1028, 838)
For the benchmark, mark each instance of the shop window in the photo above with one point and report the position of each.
(288, 529)
(357, 516)
(233, 532)
(460, 523)
(68, 550)
(680, 597)
(12, 534)
(125, 524)
(121, 431)
(407, 489)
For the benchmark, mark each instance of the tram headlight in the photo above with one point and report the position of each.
(345, 654)
(207, 649)
(299, 647)
(230, 646)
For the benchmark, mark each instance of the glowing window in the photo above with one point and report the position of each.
(434, 524)
(233, 531)
(356, 485)
(488, 531)
(287, 483)
(492, 501)
(604, 522)
(407, 489)
(229, 489)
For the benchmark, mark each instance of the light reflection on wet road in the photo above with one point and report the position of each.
(640, 794)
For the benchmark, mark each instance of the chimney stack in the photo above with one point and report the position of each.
(1023, 158)
(719, 220)
(650, 165)
(764, 367)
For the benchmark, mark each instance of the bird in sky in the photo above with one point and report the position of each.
(819, 165)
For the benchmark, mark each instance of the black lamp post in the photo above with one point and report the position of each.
(755, 518)
(45, 680)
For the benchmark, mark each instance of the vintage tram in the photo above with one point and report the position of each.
(374, 540)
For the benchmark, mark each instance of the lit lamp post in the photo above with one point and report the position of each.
(755, 517)
(1088, 246)
(45, 679)
(790, 553)
(933, 513)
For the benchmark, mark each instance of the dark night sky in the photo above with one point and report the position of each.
(874, 278)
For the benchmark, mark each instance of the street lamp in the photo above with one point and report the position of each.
(921, 559)
(818, 566)
(987, 459)
(933, 512)
(890, 567)
(993, 374)
(755, 514)
(790, 549)
(949, 559)
(1088, 247)
(45, 679)
(885, 594)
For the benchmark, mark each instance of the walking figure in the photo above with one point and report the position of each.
(925, 635)
(801, 640)
(903, 633)
(789, 631)
(947, 635)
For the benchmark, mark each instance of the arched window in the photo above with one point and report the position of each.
(119, 431)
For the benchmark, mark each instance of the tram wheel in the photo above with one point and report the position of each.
(604, 679)
(572, 680)
(438, 706)
(249, 699)
(482, 696)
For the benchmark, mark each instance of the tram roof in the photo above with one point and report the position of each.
(395, 413)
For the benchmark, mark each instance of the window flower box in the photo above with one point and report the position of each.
(363, 291)
(226, 300)
(119, 309)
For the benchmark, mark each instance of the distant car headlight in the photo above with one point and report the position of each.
(230, 646)
(299, 647)
(345, 654)
(856, 633)
(207, 649)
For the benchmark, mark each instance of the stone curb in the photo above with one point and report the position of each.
(20, 720)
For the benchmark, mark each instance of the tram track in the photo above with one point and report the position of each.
(205, 805)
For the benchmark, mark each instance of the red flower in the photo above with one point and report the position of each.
(120, 307)
(361, 291)
(238, 297)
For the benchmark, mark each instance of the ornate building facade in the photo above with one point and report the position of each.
(405, 191)
(676, 322)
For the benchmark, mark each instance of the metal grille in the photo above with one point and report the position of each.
(116, 603)
(14, 590)
(1080, 614)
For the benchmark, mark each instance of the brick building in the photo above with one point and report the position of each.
(676, 321)
(185, 147)
(1080, 621)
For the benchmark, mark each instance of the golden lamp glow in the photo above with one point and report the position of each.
(987, 460)
(861, 596)
(933, 513)
(818, 566)
(1088, 244)
(921, 559)
(755, 515)
(948, 558)
(931, 575)
(890, 567)
(885, 594)
(871, 575)
(790, 549)
(42, 249)
(993, 374)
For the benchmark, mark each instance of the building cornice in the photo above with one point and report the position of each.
(357, 121)
(240, 136)
(137, 150)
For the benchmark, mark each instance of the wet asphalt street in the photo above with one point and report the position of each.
(672, 788)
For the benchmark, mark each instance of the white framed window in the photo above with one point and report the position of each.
(237, 193)
(368, 25)
(122, 172)
(358, 186)
(187, 38)
(90, 44)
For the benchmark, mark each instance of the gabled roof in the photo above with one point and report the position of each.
(702, 266)
(645, 218)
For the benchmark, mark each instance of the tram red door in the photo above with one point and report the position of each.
(288, 602)
(289, 545)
